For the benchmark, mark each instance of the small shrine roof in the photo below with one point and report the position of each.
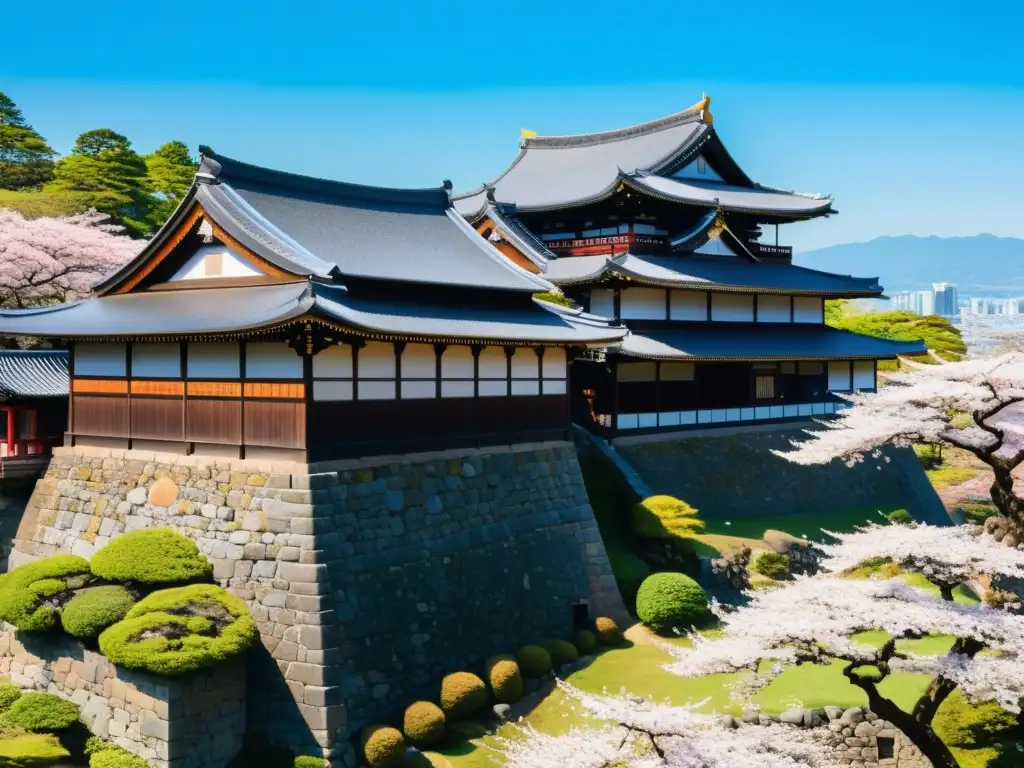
(33, 373)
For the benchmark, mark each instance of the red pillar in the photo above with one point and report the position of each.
(10, 430)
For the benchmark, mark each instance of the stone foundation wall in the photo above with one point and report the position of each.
(369, 580)
(196, 721)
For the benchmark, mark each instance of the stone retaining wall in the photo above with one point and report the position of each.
(369, 580)
(196, 721)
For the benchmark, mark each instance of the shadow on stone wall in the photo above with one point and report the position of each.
(272, 707)
(14, 496)
(738, 476)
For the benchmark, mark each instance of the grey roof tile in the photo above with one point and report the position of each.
(755, 200)
(33, 373)
(741, 342)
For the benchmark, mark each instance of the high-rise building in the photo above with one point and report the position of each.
(979, 306)
(945, 298)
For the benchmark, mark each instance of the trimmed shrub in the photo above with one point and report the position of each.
(42, 713)
(668, 600)
(665, 517)
(8, 695)
(608, 632)
(423, 724)
(383, 747)
(504, 678)
(900, 517)
(31, 594)
(179, 630)
(533, 661)
(92, 610)
(152, 556)
(308, 761)
(116, 758)
(32, 749)
(462, 694)
(773, 565)
(585, 641)
(561, 651)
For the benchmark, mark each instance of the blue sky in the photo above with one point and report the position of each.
(909, 114)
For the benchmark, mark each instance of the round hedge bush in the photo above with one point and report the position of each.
(179, 630)
(665, 517)
(152, 556)
(92, 610)
(31, 594)
(585, 641)
(608, 632)
(533, 661)
(308, 761)
(383, 747)
(116, 758)
(462, 694)
(423, 724)
(504, 678)
(773, 565)
(561, 651)
(41, 713)
(8, 695)
(670, 600)
(900, 517)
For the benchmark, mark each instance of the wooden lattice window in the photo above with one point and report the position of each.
(764, 387)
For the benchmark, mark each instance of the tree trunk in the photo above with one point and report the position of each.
(920, 734)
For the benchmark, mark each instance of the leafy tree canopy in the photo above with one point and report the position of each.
(170, 171)
(104, 165)
(936, 332)
(26, 160)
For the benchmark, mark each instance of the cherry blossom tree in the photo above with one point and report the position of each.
(973, 404)
(48, 261)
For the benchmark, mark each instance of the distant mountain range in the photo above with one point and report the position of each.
(982, 265)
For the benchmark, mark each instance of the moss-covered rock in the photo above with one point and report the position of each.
(383, 747)
(561, 651)
(180, 630)
(32, 749)
(92, 610)
(462, 695)
(116, 758)
(8, 695)
(423, 724)
(308, 761)
(533, 661)
(670, 600)
(504, 678)
(608, 632)
(900, 517)
(41, 713)
(585, 641)
(31, 595)
(152, 556)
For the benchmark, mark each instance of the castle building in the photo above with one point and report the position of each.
(287, 317)
(657, 226)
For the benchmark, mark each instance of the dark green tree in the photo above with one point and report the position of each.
(26, 160)
(112, 175)
(170, 172)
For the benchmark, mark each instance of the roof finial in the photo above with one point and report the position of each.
(526, 133)
(447, 185)
(704, 107)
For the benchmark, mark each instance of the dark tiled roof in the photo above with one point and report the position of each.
(726, 197)
(710, 273)
(31, 373)
(714, 341)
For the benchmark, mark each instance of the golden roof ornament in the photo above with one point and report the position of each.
(526, 133)
(704, 107)
(716, 228)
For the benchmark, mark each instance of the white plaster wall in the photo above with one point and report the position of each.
(643, 304)
(493, 363)
(162, 361)
(715, 247)
(419, 390)
(213, 360)
(457, 363)
(335, 362)
(602, 302)
(419, 361)
(688, 305)
(772, 308)
(808, 309)
(332, 390)
(864, 374)
(101, 359)
(203, 264)
(839, 377)
(732, 308)
(376, 361)
(274, 360)
(697, 169)
(525, 364)
(553, 363)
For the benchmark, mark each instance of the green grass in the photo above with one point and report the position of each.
(808, 525)
(944, 477)
(31, 749)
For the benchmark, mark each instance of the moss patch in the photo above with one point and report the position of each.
(31, 595)
(32, 749)
(152, 556)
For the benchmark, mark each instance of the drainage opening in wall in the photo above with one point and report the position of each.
(581, 614)
(886, 748)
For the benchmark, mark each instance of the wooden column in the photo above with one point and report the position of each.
(10, 430)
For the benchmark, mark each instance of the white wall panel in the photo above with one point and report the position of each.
(643, 304)
(698, 168)
(808, 309)
(554, 386)
(715, 248)
(155, 360)
(376, 390)
(493, 363)
(493, 388)
(864, 374)
(688, 305)
(732, 308)
(376, 361)
(553, 363)
(272, 361)
(335, 362)
(602, 302)
(772, 308)
(419, 361)
(457, 388)
(214, 260)
(332, 390)
(457, 363)
(839, 377)
(525, 387)
(101, 359)
(218, 360)
(525, 364)
(637, 372)
(419, 390)
(677, 371)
